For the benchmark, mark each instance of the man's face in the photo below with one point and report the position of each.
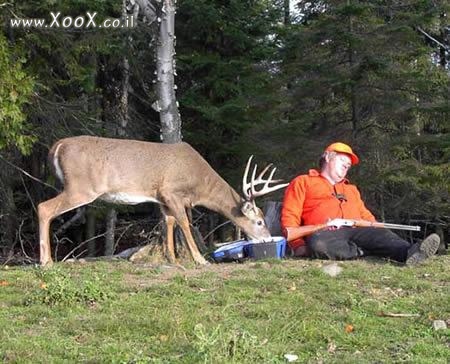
(338, 166)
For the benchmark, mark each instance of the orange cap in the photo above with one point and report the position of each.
(343, 148)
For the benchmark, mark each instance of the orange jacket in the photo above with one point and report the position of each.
(311, 199)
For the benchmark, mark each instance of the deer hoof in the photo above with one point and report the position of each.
(202, 261)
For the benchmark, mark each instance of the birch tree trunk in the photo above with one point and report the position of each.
(165, 83)
(163, 11)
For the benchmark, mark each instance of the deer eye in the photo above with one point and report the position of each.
(259, 222)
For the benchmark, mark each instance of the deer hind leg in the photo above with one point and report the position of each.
(178, 211)
(50, 209)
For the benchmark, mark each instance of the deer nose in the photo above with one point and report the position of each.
(265, 234)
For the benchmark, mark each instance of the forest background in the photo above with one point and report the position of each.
(252, 78)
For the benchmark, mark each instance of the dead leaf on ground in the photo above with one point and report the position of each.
(349, 328)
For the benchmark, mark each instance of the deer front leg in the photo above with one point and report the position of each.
(196, 255)
(177, 210)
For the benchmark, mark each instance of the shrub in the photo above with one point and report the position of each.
(59, 288)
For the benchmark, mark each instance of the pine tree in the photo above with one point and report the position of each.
(225, 51)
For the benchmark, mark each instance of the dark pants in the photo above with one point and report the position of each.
(350, 243)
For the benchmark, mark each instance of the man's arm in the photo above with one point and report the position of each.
(292, 209)
(363, 210)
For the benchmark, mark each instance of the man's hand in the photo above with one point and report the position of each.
(338, 223)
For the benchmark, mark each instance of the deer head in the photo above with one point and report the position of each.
(257, 229)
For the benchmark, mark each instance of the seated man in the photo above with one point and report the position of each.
(313, 200)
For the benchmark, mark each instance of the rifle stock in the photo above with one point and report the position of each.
(294, 233)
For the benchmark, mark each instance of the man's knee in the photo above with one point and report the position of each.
(333, 245)
(317, 246)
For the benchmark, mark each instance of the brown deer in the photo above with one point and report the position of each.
(131, 172)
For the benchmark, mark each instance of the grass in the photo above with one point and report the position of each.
(119, 312)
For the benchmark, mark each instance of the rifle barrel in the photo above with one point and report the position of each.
(401, 227)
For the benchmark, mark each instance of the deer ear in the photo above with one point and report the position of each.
(248, 208)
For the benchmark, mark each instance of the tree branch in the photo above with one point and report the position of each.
(433, 39)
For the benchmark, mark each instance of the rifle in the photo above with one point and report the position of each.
(293, 233)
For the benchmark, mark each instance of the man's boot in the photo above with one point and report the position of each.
(423, 250)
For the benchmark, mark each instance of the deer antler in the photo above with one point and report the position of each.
(249, 190)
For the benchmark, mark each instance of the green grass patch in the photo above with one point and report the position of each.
(58, 287)
(225, 313)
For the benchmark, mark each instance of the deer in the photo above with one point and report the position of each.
(130, 172)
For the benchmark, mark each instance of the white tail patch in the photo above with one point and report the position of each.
(58, 169)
